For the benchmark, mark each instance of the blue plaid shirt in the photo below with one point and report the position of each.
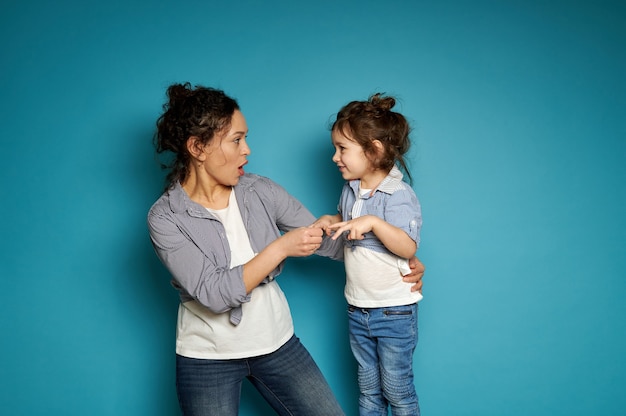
(393, 200)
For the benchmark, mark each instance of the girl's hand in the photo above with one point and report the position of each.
(325, 221)
(355, 227)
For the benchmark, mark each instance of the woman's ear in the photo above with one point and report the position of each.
(196, 148)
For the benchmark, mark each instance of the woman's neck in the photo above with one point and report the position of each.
(209, 195)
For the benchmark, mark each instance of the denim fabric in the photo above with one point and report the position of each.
(288, 379)
(383, 341)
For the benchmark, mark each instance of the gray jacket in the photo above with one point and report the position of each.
(192, 243)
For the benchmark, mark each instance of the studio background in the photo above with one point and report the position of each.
(518, 158)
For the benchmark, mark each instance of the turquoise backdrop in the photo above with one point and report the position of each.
(519, 160)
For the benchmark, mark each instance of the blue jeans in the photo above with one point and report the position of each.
(383, 341)
(288, 379)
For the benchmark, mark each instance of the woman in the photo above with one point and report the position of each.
(224, 236)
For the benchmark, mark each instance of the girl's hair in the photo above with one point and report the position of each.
(201, 112)
(366, 121)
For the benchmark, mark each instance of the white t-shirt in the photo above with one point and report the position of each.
(266, 324)
(373, 279)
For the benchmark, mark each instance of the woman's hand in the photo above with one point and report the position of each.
(417, 272)
(301, 242)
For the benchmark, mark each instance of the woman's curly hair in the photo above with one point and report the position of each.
(190, 112)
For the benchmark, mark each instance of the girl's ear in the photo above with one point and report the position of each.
(379, 150)
(196, 148)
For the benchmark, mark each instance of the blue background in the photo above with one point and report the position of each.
(519, 155)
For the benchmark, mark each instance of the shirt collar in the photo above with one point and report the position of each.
(388, 185)
(180, 202)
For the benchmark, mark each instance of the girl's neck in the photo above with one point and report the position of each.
(373, 179)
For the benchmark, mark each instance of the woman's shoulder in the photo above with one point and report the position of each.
(257, 181)
(263, 188)
(171, 200)
(160, 203)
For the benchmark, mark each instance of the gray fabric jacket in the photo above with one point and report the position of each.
(192, 243)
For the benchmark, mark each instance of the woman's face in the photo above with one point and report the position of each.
(228, 152)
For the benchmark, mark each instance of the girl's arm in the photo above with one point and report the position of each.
(394, 239)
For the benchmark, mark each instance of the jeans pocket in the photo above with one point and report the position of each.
(397, 313)
(405, 310)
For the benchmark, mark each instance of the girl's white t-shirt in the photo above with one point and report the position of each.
(266, 324)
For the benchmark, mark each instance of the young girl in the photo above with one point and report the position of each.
(380, 217)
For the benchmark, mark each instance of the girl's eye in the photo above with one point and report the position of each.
(237, 140)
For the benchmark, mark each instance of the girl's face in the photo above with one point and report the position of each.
(227, 153)
(350, 157)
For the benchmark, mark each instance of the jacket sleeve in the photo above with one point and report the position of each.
(291, 214)
(194, 272)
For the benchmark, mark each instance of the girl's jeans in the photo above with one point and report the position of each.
(383, 341)
(288, 379)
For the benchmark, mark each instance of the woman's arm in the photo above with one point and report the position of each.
(205, 277)
(300, 242)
